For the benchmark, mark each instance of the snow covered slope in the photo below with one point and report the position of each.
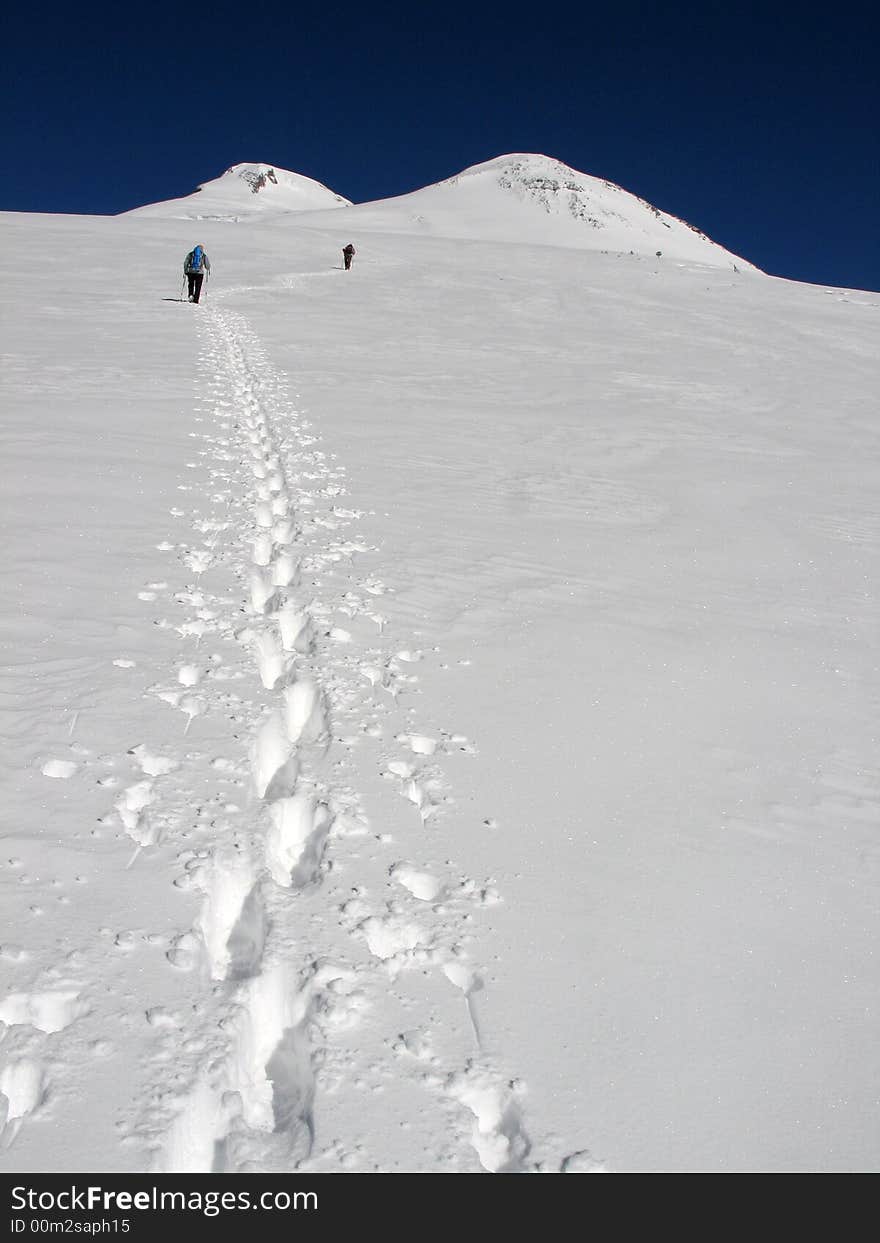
(440, 701)
(535, 199)
(248, 191)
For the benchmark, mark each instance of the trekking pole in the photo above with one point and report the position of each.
(182, 286)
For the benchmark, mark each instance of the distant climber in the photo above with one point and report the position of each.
(196, 267)
(348, 253)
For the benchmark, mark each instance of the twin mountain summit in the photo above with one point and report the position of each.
(523, 198)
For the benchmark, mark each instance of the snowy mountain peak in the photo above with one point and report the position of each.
(520, 164)
(537, 200)
(257, 176)
(246, 191)
(559, 189)
(554, 186)
(277, 183)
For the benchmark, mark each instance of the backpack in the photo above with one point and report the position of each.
(196, 259)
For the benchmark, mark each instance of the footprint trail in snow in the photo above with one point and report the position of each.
(323, 957)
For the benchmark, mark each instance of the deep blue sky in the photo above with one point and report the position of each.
(756, 122)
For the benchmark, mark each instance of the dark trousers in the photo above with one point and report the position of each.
(195, 285)
(348, 259)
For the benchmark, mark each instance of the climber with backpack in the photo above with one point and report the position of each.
(196, 266)
(348, 253)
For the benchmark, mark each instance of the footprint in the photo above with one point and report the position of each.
(295, 626)
(295, 842)
(232, 921)
(263, 548)
(248, 938)
(270, 1066)
(270, 659)
(200, 1127)
(262, 592)
(498, 1137)
(304, 712)
(284, 531)
(274, 769)
(286, 570)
